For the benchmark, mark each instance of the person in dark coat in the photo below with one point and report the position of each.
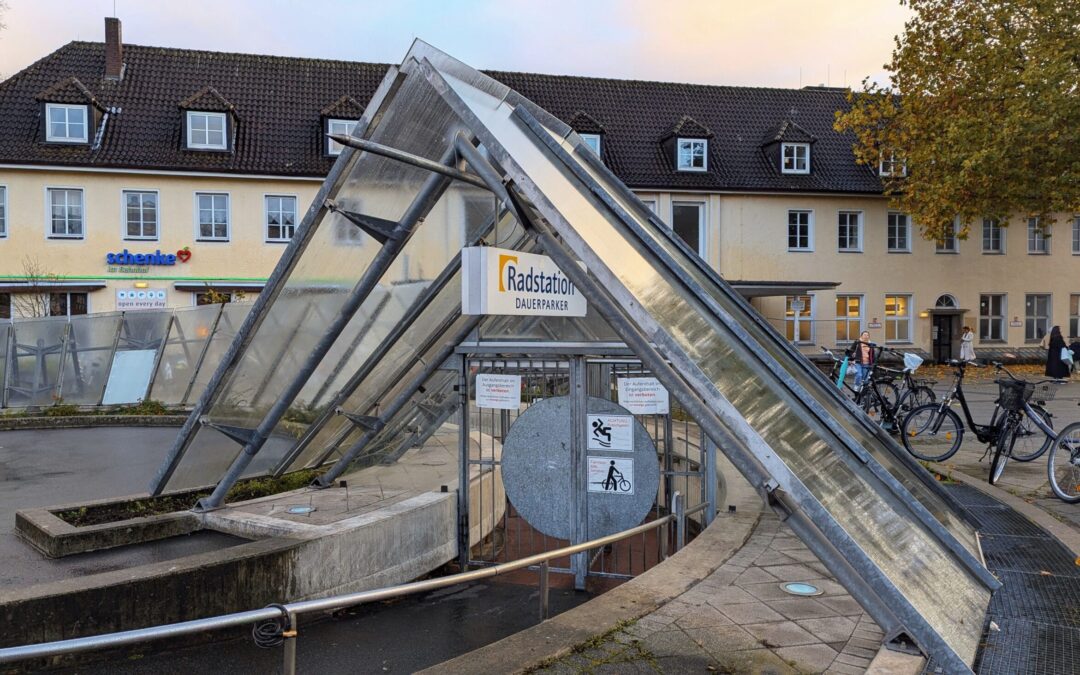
(1055, 367)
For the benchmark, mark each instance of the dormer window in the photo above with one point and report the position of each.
(891, 167)
(206, 131)
(795, 158)
(691, 154)
(593, 141)
(67, 123)
(340, 127)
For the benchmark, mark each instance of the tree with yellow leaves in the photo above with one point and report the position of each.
(981, 118)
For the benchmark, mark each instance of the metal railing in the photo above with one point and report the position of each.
(291, 611)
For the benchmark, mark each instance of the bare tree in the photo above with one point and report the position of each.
(34, 301)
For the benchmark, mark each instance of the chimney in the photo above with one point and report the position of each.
(114, 49)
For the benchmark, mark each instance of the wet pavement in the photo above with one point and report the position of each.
(392, 637)
(60, 466)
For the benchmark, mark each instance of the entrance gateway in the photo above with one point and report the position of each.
(446, 154)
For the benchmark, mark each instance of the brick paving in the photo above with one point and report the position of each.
(739, 620)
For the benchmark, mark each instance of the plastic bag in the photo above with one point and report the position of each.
(1066, 354)
(912, 362)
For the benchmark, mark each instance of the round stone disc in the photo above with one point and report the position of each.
(536, 470)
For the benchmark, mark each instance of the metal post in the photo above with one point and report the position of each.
(58, 386)
(430, 193)
(545, 609)
(112, 358)
(395, 406)
(162, 343)
(710, 477)
(669, 457)
(579, 510)
(199, 361)
(678, 507)
(9, 370)
(288, 646)
(463, 469)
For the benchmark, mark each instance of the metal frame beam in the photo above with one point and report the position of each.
(372, 115)
(407, 158)
(429, 194)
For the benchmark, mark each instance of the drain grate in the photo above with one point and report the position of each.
(1005, 521)
(1024, 554)
(1038, 615)
(1025, 646)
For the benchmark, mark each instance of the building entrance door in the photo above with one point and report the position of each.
(943, 331)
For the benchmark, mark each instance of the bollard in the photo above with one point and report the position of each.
(289, 646)
(678, 504)
(544, 608)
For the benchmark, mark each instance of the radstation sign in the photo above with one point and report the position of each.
(505, 282)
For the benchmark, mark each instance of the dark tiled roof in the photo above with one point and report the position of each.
(280, 103)
(788, 132)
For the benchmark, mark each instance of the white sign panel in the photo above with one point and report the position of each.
(501, 281)
(141, 298)
(498, 391)
(643, 396)
(611, 432)
(613, 475)
(130, 376)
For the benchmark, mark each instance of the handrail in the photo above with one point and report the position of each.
(139, 635)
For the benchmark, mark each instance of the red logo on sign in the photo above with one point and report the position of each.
(184, 254)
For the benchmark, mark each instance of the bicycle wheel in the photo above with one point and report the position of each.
(1031, 442)
(932, 433)
(1063, 465)
(624, 485)
(888, 394)
(1003, 448)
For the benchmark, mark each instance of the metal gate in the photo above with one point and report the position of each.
(496, 531)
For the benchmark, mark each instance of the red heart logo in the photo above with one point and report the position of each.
(183, 255)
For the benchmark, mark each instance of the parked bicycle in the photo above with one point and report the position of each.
(880, 397)
(1023, 429)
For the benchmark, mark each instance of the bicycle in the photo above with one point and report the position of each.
(879, 396)
(934, 433)
(1063, 465)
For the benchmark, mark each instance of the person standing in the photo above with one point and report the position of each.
(861, 353)
(1055, 366)
(967, 348)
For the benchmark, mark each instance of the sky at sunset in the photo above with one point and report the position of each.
(775, 43)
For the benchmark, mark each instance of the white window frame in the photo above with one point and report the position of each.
(228, 216)
(847, 319)
(191, 144)
(343, 127)
(702, 245)
(796, 335)
(989, 225)
(858, 248)
(1037, 235)
(1035, 317)
(3, 211)
(49, 234)
(266, 217)
(809, 230)
(50, 108)
(124, 192)
(1000, 320)
(795, 148)
(897, 320)
(650, 204)
(887, 167)
(1074, 318)
(889, 218)
(940, 247)
(67, 303)
(688, 165)
(1076, 235)
(592, 141)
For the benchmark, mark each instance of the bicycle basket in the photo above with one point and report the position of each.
(1012, 394)
(912, 362)
(1045, 391)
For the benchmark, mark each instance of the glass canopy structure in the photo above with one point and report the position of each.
(346, 346)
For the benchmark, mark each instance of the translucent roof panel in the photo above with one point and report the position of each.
(924, 578)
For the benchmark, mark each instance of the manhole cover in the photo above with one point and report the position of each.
(301, 510)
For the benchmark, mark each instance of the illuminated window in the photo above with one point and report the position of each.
(848, 318)
(897, 318)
